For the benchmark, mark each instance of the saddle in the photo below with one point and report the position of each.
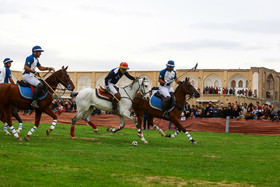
(102, 93)
(157, 100)
(27, 90)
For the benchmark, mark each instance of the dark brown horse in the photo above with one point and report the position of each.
(10, 96)
(142, 106)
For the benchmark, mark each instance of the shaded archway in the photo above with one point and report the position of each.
(84, 82)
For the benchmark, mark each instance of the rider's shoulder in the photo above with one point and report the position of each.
(30, 58)
(115, 70)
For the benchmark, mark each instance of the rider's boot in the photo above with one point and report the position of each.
(165, 106)
(36, 94)
(115, 107)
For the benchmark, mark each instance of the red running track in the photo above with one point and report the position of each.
(191, 124)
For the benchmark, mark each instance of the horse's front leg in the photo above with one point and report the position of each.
(138, 123)
(49, 111)
(176, 122)
(38, 114)
(110, 129)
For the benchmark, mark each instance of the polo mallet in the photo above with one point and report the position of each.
(193, 69)
(118, 100)
(46, 84)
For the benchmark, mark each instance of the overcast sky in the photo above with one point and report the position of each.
(95, 35)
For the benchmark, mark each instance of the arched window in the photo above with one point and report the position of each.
(233, 84)
(216, 83)
(192, 82)
(247, 84)
(270, 82)
(240, 84)
(84, 82)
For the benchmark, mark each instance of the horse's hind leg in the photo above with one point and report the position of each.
(38, 114)
(86, 118)
(15, 114)
(151, 122)
(6, 129)
(7, 118)
(74, 120)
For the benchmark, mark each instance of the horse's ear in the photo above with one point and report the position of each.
(66, 68)
(187, 79)
(62, 67)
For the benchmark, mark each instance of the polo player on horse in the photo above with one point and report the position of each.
(29, 74)
(111, 80)
(166, 78)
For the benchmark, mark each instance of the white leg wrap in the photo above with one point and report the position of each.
(188, 135)
(159, 130)
(32, 131)
(175, 134)
(53, 124)
(5, 127)
(14, 131)
(20, 126)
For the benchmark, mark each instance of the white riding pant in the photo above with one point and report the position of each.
(31, 79)
(112, 88)
(165, 91)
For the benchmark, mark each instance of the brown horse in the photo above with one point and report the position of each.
(142, 106)
(10, 96)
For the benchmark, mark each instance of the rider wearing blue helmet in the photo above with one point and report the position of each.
(5, 72)
(166, 78)
(29, 73)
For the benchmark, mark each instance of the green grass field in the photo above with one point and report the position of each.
(107, 159)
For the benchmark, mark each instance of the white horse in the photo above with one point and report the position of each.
(87, 101)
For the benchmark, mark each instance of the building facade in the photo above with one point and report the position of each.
(262, 83)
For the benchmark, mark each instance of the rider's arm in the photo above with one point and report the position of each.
(42, 68)
(129, 76)
(11, 80)
(109, 76)
(27, 68)
(161, 81)
(177, 81)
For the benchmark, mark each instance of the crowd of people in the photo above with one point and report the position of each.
(63, 105)
(233, 110)
(227, 91)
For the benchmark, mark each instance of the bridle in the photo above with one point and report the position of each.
(142, 90)
(60, 80)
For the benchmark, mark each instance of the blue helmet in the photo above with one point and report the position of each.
(37, 48)
(6, 60)
(170, 63)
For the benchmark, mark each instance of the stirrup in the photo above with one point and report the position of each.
(165, 115)
(34, 104)
(115, 112)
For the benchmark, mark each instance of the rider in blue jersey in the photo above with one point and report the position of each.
(5, 72)
(6, 77)
(112, 78)
(29, 73)
(166, 79)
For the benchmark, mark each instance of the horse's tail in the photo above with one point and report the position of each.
(74, 94)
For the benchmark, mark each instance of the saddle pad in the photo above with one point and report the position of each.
(26, 93)
(156, 103)
(102, 95)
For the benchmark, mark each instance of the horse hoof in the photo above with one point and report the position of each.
(163, 135)
(7, 133)
(109, 129)
(95, 130)
(48, 132)
(168, 136)
(73, 137)
(194, 143)
(26, 139)
(145, 142)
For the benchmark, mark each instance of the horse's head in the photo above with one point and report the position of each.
(144, 85)
(63, 78)
(189, 89)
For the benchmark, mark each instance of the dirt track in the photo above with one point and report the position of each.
(191, 124)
